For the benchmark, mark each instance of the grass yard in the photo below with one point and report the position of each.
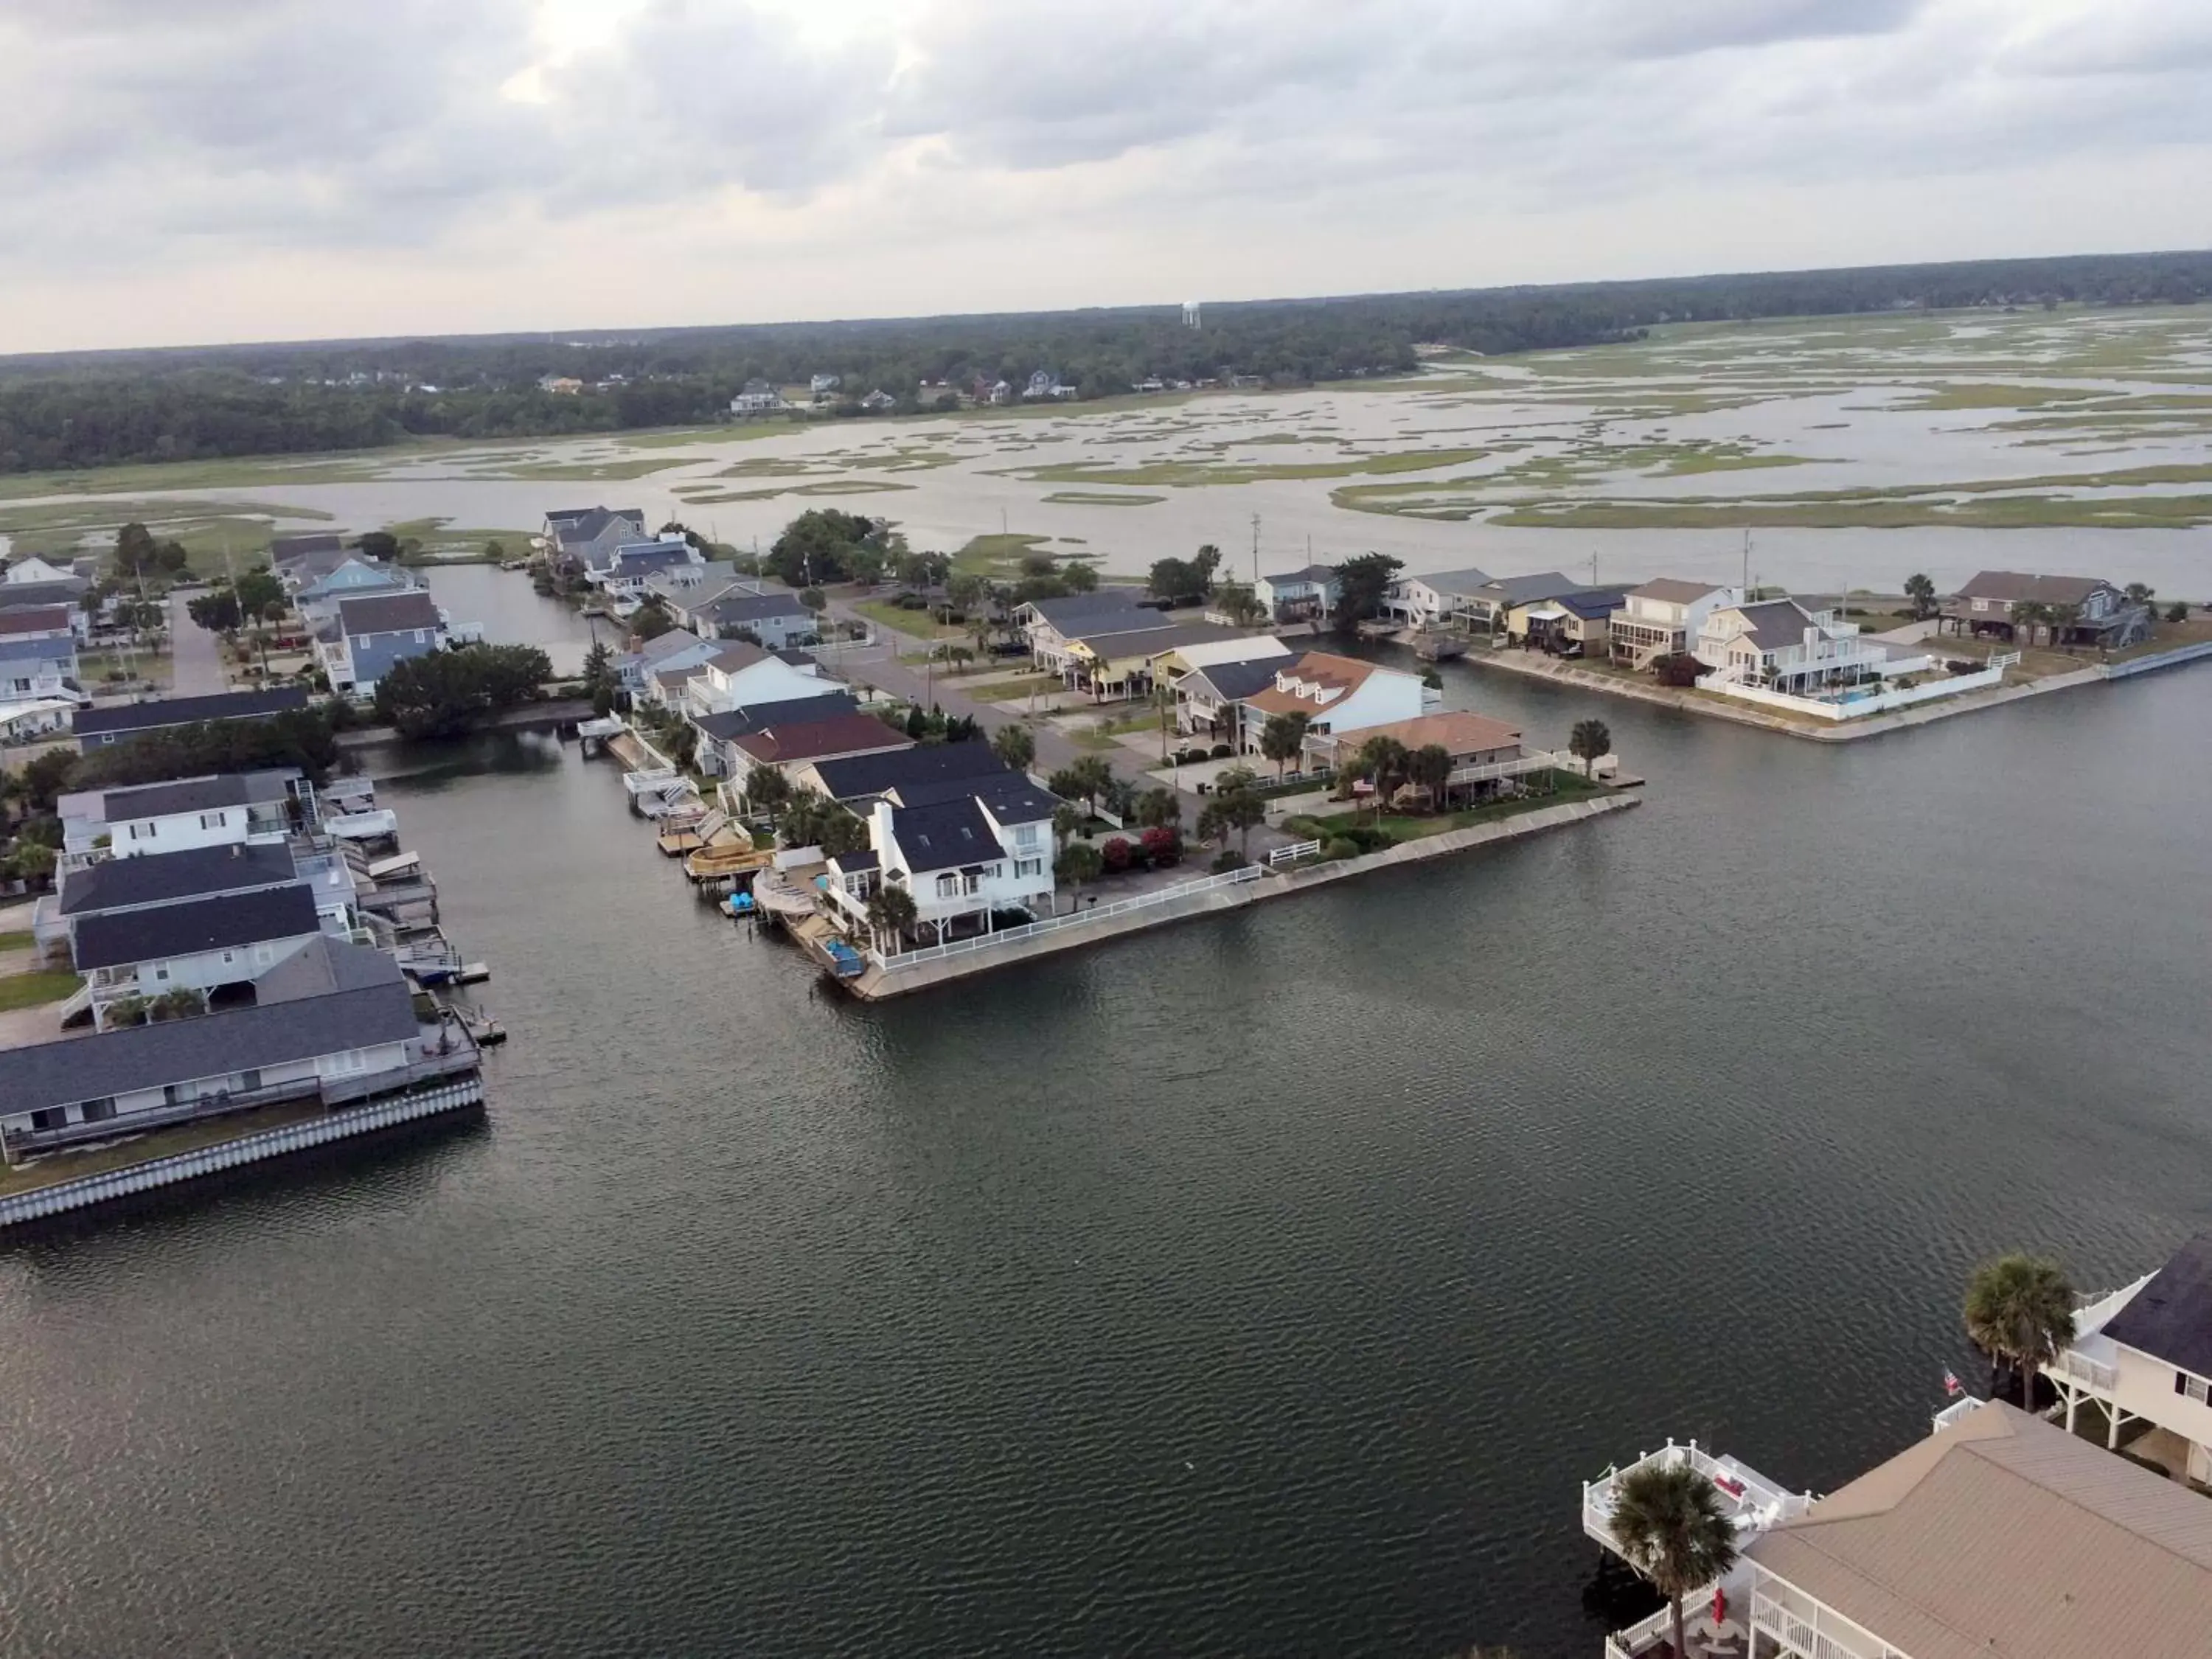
(1018, 691)
(161, 1143)
(15, 940)
(914, 625)
(1404, 827)
(38, 987)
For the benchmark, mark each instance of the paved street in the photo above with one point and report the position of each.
(196, 662)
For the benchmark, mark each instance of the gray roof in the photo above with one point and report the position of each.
(389, 613)
(319, 967)
(1096, 611)
(845, 864)
(37, 650)
(634, 556)
(1776, 623)
(1591, 602)
(172, 878)
(1233, 680)
(858, 776)
(1110, 642)
(2013, 587)
(661, 647)
(282, 549)
(2171, 1317)
(217, 923)
(1011, 798)
(207, 794)
(1526, 590)
(741, 722)
(748, 607)
(945, 836)
(586, 524)
(1320, 575)
(1452, 581)
(185, 711)
(212, 1045)
(1675, 590)
(63, 590)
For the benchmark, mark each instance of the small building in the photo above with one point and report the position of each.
(2055, 610)
(891, 774)
(1295, 596)
(821, 386)
(1114, 662)
(316, 593)
(214, 946)
(102, 728)
(122, 886)
(1209, 698)
(561, 385)
(623, 570)
(2143, 1354)
(68, 591)
(1572, 625)
(1663, 619)
(1050, 625)
(371, 635)
(213, 810)
(1043, 383)
(286, 551)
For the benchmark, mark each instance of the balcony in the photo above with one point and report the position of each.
(1751, 1501)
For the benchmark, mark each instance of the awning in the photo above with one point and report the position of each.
(1547, 613)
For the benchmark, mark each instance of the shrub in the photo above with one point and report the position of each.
(2178, 611)
(1962, 666)
(1680, 670)
(1118, 854)
(1227, 859)
(1161, 845)
(1339, 847)
(1222, 751)
(1189, 757)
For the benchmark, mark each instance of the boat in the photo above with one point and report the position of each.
(844, 961)
(488, 1032)
(473, 973)
(739, 903)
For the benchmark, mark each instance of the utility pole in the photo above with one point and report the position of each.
(1255, 552)
(1747, 567)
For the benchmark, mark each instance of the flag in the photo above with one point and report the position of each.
(1952, 1386)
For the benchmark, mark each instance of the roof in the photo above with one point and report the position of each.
(2004, 1535)
(841, 735)
(1076, 613)
(1011, 797)
(652, 556)
(1673, 590)
(945, 836)
(214, 923)
(754, 607)
(63, 591)
(389, 613)
(1319, 575)
(184, 711)
(319, 967)
(212, 1045)
(1527, 589)
(1457, 729)
(1341, 674)
(1452, 581)
(1591, 603)
(732, 655)
(856, 776)
(661, 647)
(33, 618)
(207, 794)
(739, 722)
(2013, 587)
(169, 877)
(845, 864)
(1776, 623)
(282, 549)
(2171, 1317)
(37, 650)
(1233, 682)
(1150, 642)
(588, 524)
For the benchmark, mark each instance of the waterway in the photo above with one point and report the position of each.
(1265, 1286)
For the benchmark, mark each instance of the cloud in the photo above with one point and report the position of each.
(905, 154)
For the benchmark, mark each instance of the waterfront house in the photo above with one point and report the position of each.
(1778, 645)
(371, 635)
(216, 945)
(318, 597)
(1337, 694)
(718, 731)
(1485, 754)
(102, 728)
(1999, 1534)
(624, 570)
(862, 778)
(70, 595)
(739, 675)
(188, 812)
(1295, 596)
(1663, 618)
(1570, 624)
(124, 886)
(344, 1030)
(784, 745)
(287, 551)
(775, 620)
(1113, 662)
(687, 592)
(879, 402)
(52, 624)
(975, 847)
(758, 397)
(2058, 610)
(1177, 660)
(1209, 696)
(38, 669)
(675, 650)
(820, 385)
(1049, 625)
(2143, 1354)
(1435, 600)
(580, 538)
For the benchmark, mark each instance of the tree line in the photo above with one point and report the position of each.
(82, 410)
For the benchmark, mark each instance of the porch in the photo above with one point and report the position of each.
(1751, 1501)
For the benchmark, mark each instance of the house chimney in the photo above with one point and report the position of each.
(879, 827)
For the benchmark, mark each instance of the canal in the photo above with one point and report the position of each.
(1265, 1286)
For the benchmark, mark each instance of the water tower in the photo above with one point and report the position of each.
(1190, 314)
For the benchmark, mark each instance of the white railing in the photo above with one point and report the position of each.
(1957, 1412)
(1752, 1501)
(1807, 1626)
(1628, 1643)
(1054, 924)
(1538, 760)
(1293, 853)
(2078, 1367)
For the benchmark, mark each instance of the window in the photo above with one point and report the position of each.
(1026, 835)
(134, 831)
(99, 1111)
(1028, 867)
(229, 956)
(1981, 604)
(948, 886)
(2195, 1386)
(52, 1118)
(214, 820)
(418, 636)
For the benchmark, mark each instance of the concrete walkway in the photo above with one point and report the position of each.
(195, 656)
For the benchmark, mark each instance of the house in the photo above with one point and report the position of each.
(822, 385)
(1486, 751)
(1210, 699)
(1337, 694)
(580, 538)
(1570, 624)
(1049, 625)
(1663, 618)
(101, 728)
(982, 846)
(999, 391)
(784, 745)
(33, 720)
(878, 401)
(1437, 599)
(68, 591)
(1115, 661)
(38, 669)
(1778, 645)
(718, 731)
(684, 590)
(1189, 655)
(676, 649)
(169, 818)
(2143, 1353)
(341, 1030)
(31, 568)
(1307, 595)
(317, 594)
(623, 570)
(860, 778)
(52, 622)
(2058, 610)
(287, 550)
(373, 635)
(1043, 383)
(214, 946)
(739, 675)
(757, 399)
(561, 385)
(777, 621)
(121, 886)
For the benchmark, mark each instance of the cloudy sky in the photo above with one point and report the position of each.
(190, 170)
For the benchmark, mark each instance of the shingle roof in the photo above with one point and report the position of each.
(1457, 729)
(1527, 589)
(1324, 668)
(1011, 798)
(1452, 581)
(184, 711)
(37, 650)
(1776, 623)
(1673, 590)
(1112, 642)
(63, 591)
(1319, 575)
(2171, 1317)
(1590, 602)
(155, 801)
(2005, 1535)
(661, 647)
(2012, 587)
(945, 836)
(389, 613)
(217, 923)
(739, 722)
(171, 878)
(589, 523)
(282, 549)
(33, 618)
(857, 775)
(1095, 612)
(635, 556)
(841, 735)
(213, 1045)
(750, 607)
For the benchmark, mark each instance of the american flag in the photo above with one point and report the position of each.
(1952, 1386)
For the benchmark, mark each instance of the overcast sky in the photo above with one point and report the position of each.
(190, 170)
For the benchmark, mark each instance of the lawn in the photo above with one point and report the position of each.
(15, 941)
(1018, 691)
(915, 625)
(1404, 827)
(161, 1143)
(39, 985)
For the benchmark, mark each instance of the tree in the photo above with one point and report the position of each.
(444, 693)
(651, 620)
(891, 912)
(1430, 768)
(219, 612)
(814, 547)
(814, 599)
(1088, 779)
(1364, 583)
(838, 831)
(1078, 862)
(1922, 593)
(1204, 564)
(1382, 762)
(1171, 580)
(599, 679)
(2026, 616)
(133, 548)
(1238, 800)
(380, 545)
(1588, 742)
(1669, 1524)
(1016, 746)
(260, 594)
(2019, 1308)
(1066, 823)
(767, 791)
(1239, 602)
(1283, 739)
(2141, 593)
(2061, 619)
(2178, 611)
(1159, 807)
(1215, 824)
(1078, 575)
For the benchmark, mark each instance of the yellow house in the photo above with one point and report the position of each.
(1127, 665)
(1566, 624)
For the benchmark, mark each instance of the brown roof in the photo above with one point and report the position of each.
(2003, 1535)
(841, 735)
(1341, 674)
(34, 619)
(738, 654)
(2012, 587)
(1455, 729)
(1673, 590)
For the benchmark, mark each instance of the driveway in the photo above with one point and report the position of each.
(195, 661)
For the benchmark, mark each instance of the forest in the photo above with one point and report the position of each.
(62, 411)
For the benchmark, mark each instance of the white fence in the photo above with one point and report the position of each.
(1293, 853)
(1055, 924)
(1880, 703)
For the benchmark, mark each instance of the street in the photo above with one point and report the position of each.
(195, 660)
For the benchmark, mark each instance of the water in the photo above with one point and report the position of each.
(1266, 1285)
(513, 612)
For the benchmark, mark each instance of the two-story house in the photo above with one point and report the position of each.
(2143, 1354)
(1663, 619)
(628, 567)
(965, 849)
(783, 744)
(1336, 695)
(317, 595)
(1778, 645)
(859, 779)
(170, 817)
(70, 593)
(1576, 624)
(370, 637)
(774, 620)
(39, 668)
(583, 537)
(1437, 599)
(758, 397)
(2056, 610)
(53, 623)
(739, 675)
(1050, 625)
(1295, 596)
(31, 570)
(719, 731)
(677, 649)
(214, 946)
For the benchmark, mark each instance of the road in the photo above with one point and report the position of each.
(195, 660)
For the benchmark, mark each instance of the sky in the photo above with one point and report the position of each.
(185, 170)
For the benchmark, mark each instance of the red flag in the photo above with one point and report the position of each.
(1952, 1386)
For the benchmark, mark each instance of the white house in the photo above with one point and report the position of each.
(2144, 1353)
(33, 569)
(625, 569)
(205, 945)
(1335, 694)
(822, 385)
(1778, 645)
(739, 675)
(1663, 618)
(38, 669)
(758, 397)
(171, 818)
(878, 401)
(1306, 595)
(1435, 599)
(962, 851)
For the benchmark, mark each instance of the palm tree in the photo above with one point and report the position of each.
(1668, 1522)
(1587, 741)
(2026, 615)
(1078, 862)
(1283, 739)
(1383, 760)
(2060, 619)
(1922, 592)
(2019, 1308)
(891, 910)
(1066, 823)
(1016, 745)
(1158, 806)
(1430, 768)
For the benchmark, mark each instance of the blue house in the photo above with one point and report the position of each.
(318, 599)
(374, 632)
